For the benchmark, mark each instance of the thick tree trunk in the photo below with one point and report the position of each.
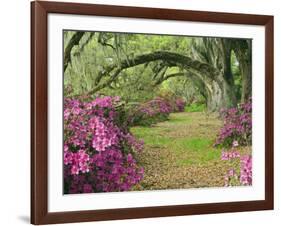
(243, 52)
(229, 97)
(214, 96)
(217, 92)
(219, 95)
(220, 90)
(246, 73)
(246, 83)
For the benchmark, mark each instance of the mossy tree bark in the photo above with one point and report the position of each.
(75, 39)
(217, 53)
(243, 52)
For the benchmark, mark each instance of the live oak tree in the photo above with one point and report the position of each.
(111, 60)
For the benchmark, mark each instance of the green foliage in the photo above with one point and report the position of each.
(237, 75)
(96, 50)
(195, 107)
(182, 86)
(133, 85)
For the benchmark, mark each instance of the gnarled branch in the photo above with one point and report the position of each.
(75, 39)
(177, 59)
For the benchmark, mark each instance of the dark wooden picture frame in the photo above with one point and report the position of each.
(39, 112)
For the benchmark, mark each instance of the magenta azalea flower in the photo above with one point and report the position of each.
(94, 157)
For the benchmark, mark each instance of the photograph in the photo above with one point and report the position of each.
(145, 112)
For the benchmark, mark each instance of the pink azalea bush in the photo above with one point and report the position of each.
(156, 106)
(237, 131)
(98, 153)
(237, 125)
(156, 110)
(241, 176)
(179, 105)
(150, 112)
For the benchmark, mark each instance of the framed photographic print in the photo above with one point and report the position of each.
(147, 112)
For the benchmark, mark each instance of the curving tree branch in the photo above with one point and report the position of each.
(112, 71)
(75, 39)
(84, 44)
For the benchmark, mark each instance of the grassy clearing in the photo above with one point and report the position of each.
(199, 151)
(188, 148)
(179, 153)
(194, 107)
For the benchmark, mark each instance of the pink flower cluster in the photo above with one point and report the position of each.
(179, 105)
(98, 154)
(79, 161)
(246, 170)
(244, 177)
(132, 141)
(104, 134)
(109, 171)
(237, 125)
(156, 110)
(228, 155)
(156, 106)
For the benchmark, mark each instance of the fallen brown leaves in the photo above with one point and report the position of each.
(162, 170)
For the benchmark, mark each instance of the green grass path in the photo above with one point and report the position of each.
(179, 153)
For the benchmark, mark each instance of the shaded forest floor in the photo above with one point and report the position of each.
(179, 153)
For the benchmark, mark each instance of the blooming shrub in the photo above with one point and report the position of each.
(242, 175)
(246, 170)
(179, 105)
(98, 154)
(156, 110)
(156, 106)
(237, 125)
(150, 112)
